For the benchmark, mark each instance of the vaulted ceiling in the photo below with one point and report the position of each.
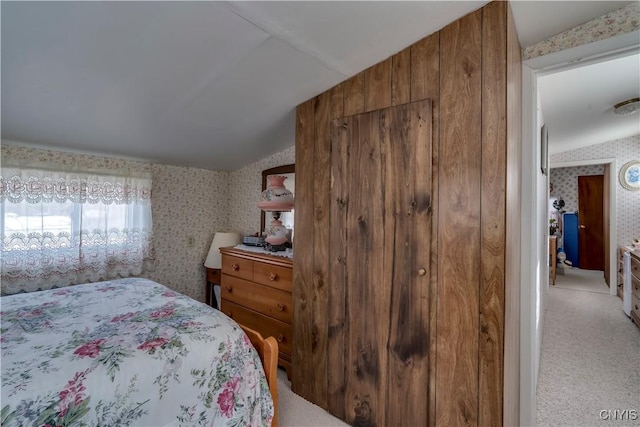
(207, 84)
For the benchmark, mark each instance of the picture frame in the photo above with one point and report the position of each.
(629, 175)
(544, 150)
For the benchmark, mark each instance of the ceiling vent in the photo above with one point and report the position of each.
(627, 107)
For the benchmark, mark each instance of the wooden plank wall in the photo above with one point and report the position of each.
(470, 72)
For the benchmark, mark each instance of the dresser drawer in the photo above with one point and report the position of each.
(272, 275)
(266, 300)
(265, 325)
(238, 267)
(635, 286)
(635, 267)
(635, 308)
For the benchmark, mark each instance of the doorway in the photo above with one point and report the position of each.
(534, 250)
(609, 222)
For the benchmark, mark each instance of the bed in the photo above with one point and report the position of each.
(128, 352)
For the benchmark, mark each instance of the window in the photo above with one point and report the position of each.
(69, 227)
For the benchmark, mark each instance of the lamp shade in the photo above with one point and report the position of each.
(276, 197)
(220, 240)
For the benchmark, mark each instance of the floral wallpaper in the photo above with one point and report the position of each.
(246, 184)
(186, 202)
(627, 202)
(621, 21)
(565, 183)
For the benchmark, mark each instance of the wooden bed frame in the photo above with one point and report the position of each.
(268, 351)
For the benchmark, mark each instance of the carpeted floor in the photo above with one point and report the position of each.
(294, 411)
(582, 280)
(590, 358)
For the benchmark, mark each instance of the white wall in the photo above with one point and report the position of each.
(535, 271)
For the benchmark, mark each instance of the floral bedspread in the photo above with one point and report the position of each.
(126, 352)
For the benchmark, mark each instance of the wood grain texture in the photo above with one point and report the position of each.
(425, 69)
(401, 77)
(425, 83)
(302, 364)
(511, 363)
(321, 225)
(377, 86)
(367, 313)
(354, 95)
(459, 222)
(337, 101)
(493, 213)
(338, 295)
(367, 346)
(407, 229)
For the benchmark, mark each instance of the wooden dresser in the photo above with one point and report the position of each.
(635, 287)
(256, 292)
(621, 251)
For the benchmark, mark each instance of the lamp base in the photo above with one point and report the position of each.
(276, 233)
(277, 248)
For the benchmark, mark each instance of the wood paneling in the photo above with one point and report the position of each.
(407, 227)
(425, 69)
(321, 215)
(434, 185)
(459, 222)
(493, 213)
(425, 83)
(388, 219)
(354, 95)
(377, 86)
(339, 297)
(401, 77)
(337, 101)
(366, 363)
(303, 378)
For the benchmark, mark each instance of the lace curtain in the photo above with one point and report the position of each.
(64, 227)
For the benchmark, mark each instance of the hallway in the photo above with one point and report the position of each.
(590, 360)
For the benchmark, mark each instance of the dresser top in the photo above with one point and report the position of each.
(255, 255)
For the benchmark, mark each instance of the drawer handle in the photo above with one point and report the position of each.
(235, 267)
(280, 307)
(273, 276)
(230, 314)
(228, 288)
(280, 338)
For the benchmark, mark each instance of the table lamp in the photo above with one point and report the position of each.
(220, 240)
(276, 198)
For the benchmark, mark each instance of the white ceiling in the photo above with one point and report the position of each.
(578, 104)
(209, 84)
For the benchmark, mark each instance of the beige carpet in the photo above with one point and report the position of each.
(590, 358)
(294, 411)
(582, 280)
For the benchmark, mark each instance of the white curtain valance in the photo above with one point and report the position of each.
(35, 186)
